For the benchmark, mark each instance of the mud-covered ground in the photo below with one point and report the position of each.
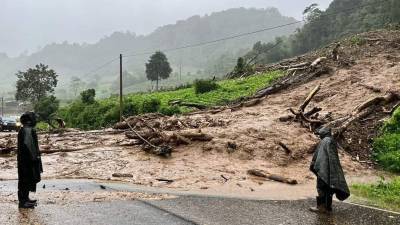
(255, 132)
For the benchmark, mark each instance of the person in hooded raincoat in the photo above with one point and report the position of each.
(29, 161)
(330, 177)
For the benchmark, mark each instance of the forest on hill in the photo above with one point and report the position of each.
(73, 61)
(342, 18)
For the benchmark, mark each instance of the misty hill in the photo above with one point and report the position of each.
(76, 60)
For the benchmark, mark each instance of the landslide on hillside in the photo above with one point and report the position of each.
(244, 136)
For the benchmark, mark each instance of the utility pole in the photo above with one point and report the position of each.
(180, 68)
(2, 106)
(121, 104)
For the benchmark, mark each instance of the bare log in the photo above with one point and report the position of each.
(188, 104)
(252, 102)
(317, 61)
(196, 136)
(274, 177)
(124, 175)
(312, 111)
(309, 98)
(149, 147)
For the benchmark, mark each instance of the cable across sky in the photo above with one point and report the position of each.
(224, 38)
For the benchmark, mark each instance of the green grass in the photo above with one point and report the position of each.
(229, 90)
(105, 112)
(387, 145)
(387, 153)
(383, 194)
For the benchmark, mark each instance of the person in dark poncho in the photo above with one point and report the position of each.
(330, 177)
(29, 161)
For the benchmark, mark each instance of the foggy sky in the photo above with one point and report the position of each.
(29, 24)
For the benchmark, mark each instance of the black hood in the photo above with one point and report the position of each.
(324, 132)
(28, 119)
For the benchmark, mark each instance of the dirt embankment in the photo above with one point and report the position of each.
(247, 137)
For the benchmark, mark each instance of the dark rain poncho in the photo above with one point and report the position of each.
(326, 165)
(29, 161)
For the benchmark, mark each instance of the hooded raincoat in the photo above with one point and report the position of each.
(326, 165)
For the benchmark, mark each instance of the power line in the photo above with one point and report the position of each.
(102, 66)
(229, 37)
(248, 33)
(217, 40)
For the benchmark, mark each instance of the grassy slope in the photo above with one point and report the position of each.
(383, 195)
(229, 90)
(387, 146)
(105, 112)
(387, 153)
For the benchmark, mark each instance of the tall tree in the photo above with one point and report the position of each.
(35, 83)
(158, 67)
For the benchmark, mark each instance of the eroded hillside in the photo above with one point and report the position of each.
(244, 136)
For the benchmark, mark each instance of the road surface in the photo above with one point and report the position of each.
(182, 209)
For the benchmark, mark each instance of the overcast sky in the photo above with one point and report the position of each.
(29, 24)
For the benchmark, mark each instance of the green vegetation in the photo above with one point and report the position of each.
(74, 60)
(88, 96)
(341, 19)
(158, 68)
(35, 83)
(383, 194)
(387, 153)
(204, 86)
(387, 146)
(46, 108)
(105, 112)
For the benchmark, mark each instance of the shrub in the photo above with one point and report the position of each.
(204, 86)
(390, 160)
(151, 105)
(387, 146)
(357, 41)
(88, 95)
(170, 110)
(130, 108)
(46, 108)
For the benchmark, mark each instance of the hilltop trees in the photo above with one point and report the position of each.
(342, 18)
(35, 83)
(158, 67)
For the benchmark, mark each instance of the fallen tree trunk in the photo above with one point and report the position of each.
(274, 177)
(188, 104)
(309, 98)
(196, 136)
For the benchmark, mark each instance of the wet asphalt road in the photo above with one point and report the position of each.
(185, 209)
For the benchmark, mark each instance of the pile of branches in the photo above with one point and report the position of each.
(7, 146)
(155, 140)
(313, 120)
(296, 74)
(164, 123)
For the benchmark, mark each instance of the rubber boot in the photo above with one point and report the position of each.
(26, 205)
(320, 206)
